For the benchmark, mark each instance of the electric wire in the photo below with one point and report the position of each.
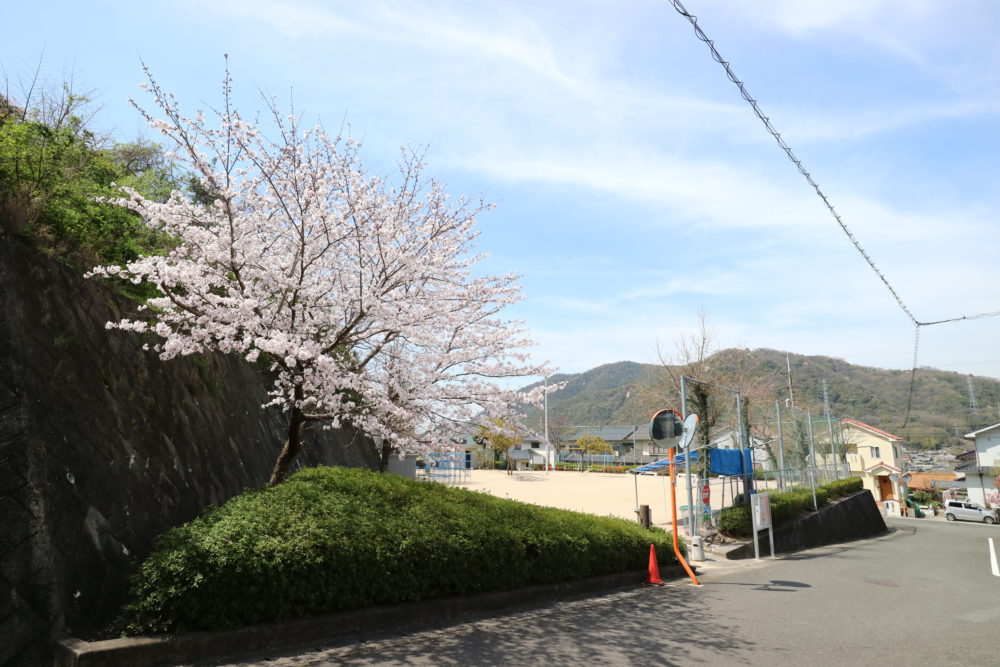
(805, 173)
(791, 156)
(679, 7)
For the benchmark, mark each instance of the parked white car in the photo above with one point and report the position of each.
(964, 510)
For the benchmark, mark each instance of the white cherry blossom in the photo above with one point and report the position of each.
(360, 290)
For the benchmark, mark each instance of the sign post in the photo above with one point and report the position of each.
(706, 500)
(760, 513)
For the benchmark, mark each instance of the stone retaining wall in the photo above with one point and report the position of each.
(103, 447)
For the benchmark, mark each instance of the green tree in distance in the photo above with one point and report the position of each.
(500, 437)
(588, 443)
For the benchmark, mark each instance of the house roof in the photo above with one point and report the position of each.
(612, 433)
(926, 480)
(871, 429)
(975, 434)
(880, 464)
(526, 454)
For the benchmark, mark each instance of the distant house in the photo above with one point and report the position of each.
(532, 452)
(730, 439)
(477, 454)
(982, 466)
(874, 455)
(630, 444)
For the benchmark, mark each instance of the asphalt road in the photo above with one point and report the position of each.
(925, 594)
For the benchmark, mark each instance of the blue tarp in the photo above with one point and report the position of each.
(730, 462)
(663, 464)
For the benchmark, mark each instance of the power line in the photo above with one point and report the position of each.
(961, 319)
(791, 156)
(826, 201)
(802, 170)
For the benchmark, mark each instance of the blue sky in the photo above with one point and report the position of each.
(634, 187)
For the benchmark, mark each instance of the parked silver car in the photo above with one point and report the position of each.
(965, 510)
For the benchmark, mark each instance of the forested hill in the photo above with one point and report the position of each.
(627, 393)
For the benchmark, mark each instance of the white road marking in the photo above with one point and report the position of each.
(993, 560)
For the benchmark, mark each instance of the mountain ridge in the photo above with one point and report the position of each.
(628, 392)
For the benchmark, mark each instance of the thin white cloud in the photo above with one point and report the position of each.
(821, 125)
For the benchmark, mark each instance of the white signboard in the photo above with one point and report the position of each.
(760, 504)
(760, 514)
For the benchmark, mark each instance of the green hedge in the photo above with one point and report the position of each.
(736, 521)
(333, 539)
(844, 487)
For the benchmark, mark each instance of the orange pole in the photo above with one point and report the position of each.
(673, 509)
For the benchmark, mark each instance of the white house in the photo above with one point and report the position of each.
(982, 471)
(631, 444)
(532, 452)
(730, 439)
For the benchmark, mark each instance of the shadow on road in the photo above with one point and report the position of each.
(662, 626)
(775, 585)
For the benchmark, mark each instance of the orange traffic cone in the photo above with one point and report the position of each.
(654, 569)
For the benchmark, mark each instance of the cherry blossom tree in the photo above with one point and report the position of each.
(358, 290)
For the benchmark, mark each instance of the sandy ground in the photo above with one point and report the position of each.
(604, 494)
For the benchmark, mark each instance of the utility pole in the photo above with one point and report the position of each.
(781, 448)
(692, 525)
(812, 453)
(791, 396)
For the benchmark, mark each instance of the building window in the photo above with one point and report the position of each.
(875, 452)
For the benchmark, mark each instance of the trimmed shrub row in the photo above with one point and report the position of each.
(737, 522)
(844, 487)
(335, 539)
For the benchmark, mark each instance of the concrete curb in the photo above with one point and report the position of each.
(149, 651)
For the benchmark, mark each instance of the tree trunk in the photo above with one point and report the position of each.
(293, 445)
(383, 461)
(703, 433)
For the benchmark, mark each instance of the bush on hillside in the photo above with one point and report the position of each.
(54, 172)
(335, 539)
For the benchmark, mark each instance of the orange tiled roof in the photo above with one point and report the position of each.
(923, 480)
